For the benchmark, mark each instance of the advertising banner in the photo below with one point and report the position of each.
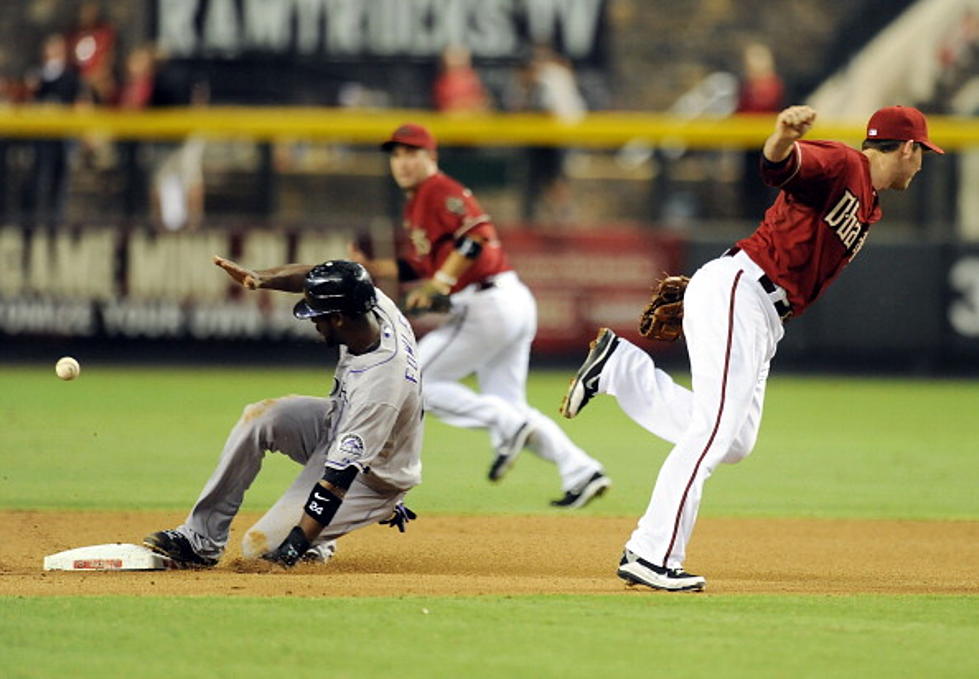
(376, 30)
(104, 283)
(373, 53)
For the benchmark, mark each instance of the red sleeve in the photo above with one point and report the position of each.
(434, 215)
(456, 212)
(442, 211)
(776, 174)
(810, 168)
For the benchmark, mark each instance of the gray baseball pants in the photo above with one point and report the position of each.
(302, 428)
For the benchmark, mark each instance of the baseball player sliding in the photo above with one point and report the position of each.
(451, 246)
(359, 448)
(733, 313)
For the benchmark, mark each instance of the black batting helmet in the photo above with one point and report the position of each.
(337, 286)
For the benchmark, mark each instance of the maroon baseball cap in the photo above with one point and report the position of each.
(900, 123)
(411, 134)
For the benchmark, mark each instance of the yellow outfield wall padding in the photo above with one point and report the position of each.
(597, 130)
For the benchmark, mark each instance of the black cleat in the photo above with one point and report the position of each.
(174, 545)
(507, 452)
(594, 487)
(584, 385)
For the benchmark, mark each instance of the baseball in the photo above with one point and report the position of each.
(67, 368)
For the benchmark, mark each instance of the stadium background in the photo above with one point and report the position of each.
(846, 545)
(656, 174)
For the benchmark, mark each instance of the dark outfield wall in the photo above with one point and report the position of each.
(107, 294)
(907, 307)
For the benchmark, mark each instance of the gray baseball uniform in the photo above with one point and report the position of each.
(372, 418)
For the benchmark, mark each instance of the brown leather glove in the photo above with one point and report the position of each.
(662, 319)
(429, 296)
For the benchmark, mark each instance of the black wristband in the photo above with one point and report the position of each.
(467, 247)
(322, 505)
(773, 164)
(405, 272)
(327, 495)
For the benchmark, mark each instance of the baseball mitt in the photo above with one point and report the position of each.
(437, 304)
(662, 319)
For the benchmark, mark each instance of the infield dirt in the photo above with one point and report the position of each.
(472, 555)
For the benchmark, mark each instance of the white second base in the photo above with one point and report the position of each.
(115, 556)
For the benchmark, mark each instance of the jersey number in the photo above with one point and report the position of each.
(963, 313)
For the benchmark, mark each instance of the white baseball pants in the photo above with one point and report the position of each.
(300, 427)
(732, 330)
(489, 333)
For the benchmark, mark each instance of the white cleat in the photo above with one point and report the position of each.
(320, 553)
(637, 571)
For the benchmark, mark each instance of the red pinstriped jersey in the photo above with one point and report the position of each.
(818, 222)
(440, 211)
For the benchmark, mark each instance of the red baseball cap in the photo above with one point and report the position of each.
(411, 134)
(901, 123)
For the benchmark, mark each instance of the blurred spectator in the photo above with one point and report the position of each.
(12, 90)
(457, 88)
(958, 56)
(173, 186)
(6, 98)
(91, 46)
(136, 92)
(55, 82)
(762, 92)
(177, 187)
(6, 90)
(546, 82)
(960, 45)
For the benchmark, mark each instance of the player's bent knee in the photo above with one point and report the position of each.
(254, 411)
(272, 420)
(254, 544)
(741, 443)
(739, 450)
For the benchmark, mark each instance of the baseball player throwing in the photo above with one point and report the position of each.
(734, 310)
(452, 247)
(359, 448)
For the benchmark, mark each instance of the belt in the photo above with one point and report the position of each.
(782, 307)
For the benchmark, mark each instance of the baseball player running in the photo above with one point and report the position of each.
(359, 448)
(451, 245)
(735, 307)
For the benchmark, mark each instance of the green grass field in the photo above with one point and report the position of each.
(138, 438)
(558, 636)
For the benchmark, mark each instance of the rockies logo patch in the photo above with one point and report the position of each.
(351, 448)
